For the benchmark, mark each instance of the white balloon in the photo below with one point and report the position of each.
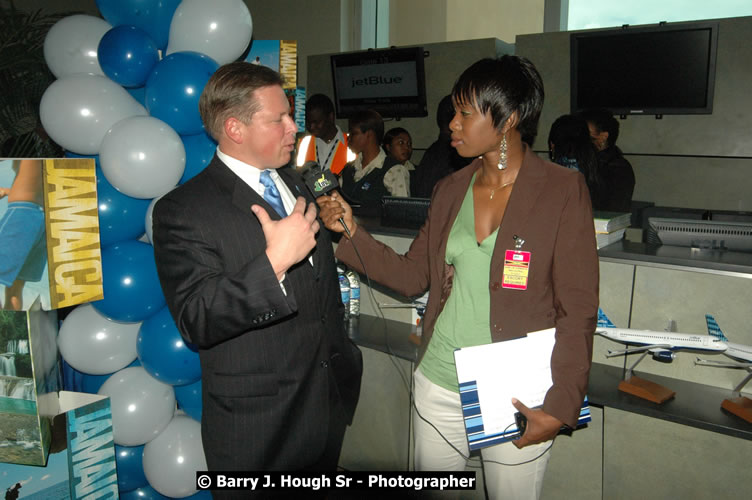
(142, 157)
(142, 406)
(220, 29)
(172, 458)
(71, 45)
(93, 344)
(78, 110)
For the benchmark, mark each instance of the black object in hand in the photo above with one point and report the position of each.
(521, 421)
(319, 182)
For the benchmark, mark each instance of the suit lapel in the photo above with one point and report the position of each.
(298, 188)
(457, 189)
(527, 189)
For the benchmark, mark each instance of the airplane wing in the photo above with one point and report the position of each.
(724, 364)
(630, 350)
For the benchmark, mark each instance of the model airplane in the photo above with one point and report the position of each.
(662, 345)
(740, 354)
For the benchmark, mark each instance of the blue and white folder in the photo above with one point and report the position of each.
(491, 375)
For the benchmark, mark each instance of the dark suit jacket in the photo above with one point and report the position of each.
(550, 209)
(274, 366)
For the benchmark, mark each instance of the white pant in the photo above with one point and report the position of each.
(432, 453)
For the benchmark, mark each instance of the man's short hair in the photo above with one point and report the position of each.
(229, 93)
(321, 103)
(368, 120)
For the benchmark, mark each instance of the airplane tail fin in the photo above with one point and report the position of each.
(714, 329)
(603, 321)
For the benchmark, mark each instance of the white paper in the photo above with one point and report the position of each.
(519, 368)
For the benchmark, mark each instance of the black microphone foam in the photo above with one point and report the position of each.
(320, 182)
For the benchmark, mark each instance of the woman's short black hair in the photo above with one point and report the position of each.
(604, 121)
(391, 134)
(501, 87)
(366, 120)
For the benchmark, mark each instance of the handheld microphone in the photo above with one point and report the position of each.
(320, 182)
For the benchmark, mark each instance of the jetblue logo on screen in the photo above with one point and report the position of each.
(376, 80)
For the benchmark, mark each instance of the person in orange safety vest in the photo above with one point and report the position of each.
(326, 144)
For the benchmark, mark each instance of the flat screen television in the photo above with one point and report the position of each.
(390, 81)
(703, 234)
(668, 69)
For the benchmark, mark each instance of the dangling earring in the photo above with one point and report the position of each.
(503, 153)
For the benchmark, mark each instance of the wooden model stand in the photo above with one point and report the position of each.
(740, 406)
(644, 389)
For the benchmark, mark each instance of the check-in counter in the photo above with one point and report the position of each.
(687, 447)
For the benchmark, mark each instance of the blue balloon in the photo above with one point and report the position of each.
(199, 151)
(143, 493)
(121, 217)
(76, 381)
(139, 94)
(174, 87)
(131, 285)
(130, 467)
(163, 352)
(152, 16)
(127, 55)
(189, 399)
(91, 383)
(201, 495)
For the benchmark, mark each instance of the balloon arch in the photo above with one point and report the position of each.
(116, 99)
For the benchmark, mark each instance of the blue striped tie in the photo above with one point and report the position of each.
(271, 193)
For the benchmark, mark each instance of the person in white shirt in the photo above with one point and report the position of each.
(372, 175)
(398, 144)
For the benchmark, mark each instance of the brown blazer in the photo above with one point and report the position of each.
(550, 209)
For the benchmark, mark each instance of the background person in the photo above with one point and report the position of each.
(23, 243)
(255, 290)
(569, 145)
(326, 144)
(615, 171)
(508, 194)
(398, 145)
(372, 175)
(440, 159)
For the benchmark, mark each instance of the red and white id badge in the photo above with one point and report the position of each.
(516, 269)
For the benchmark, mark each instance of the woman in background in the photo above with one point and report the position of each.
(399, 146)
(615, 171)
(570, 146)
(507, 200)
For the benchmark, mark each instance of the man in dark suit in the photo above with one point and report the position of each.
(256, 291)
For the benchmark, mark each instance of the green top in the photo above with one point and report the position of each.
(465, 319)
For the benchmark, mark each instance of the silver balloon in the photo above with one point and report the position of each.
(142, 157)
(142, 406)
(93, 344)
(70, 46)
(172, 458)
(78, 110)
(220, 29)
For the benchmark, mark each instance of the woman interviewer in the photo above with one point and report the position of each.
(507, 200)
